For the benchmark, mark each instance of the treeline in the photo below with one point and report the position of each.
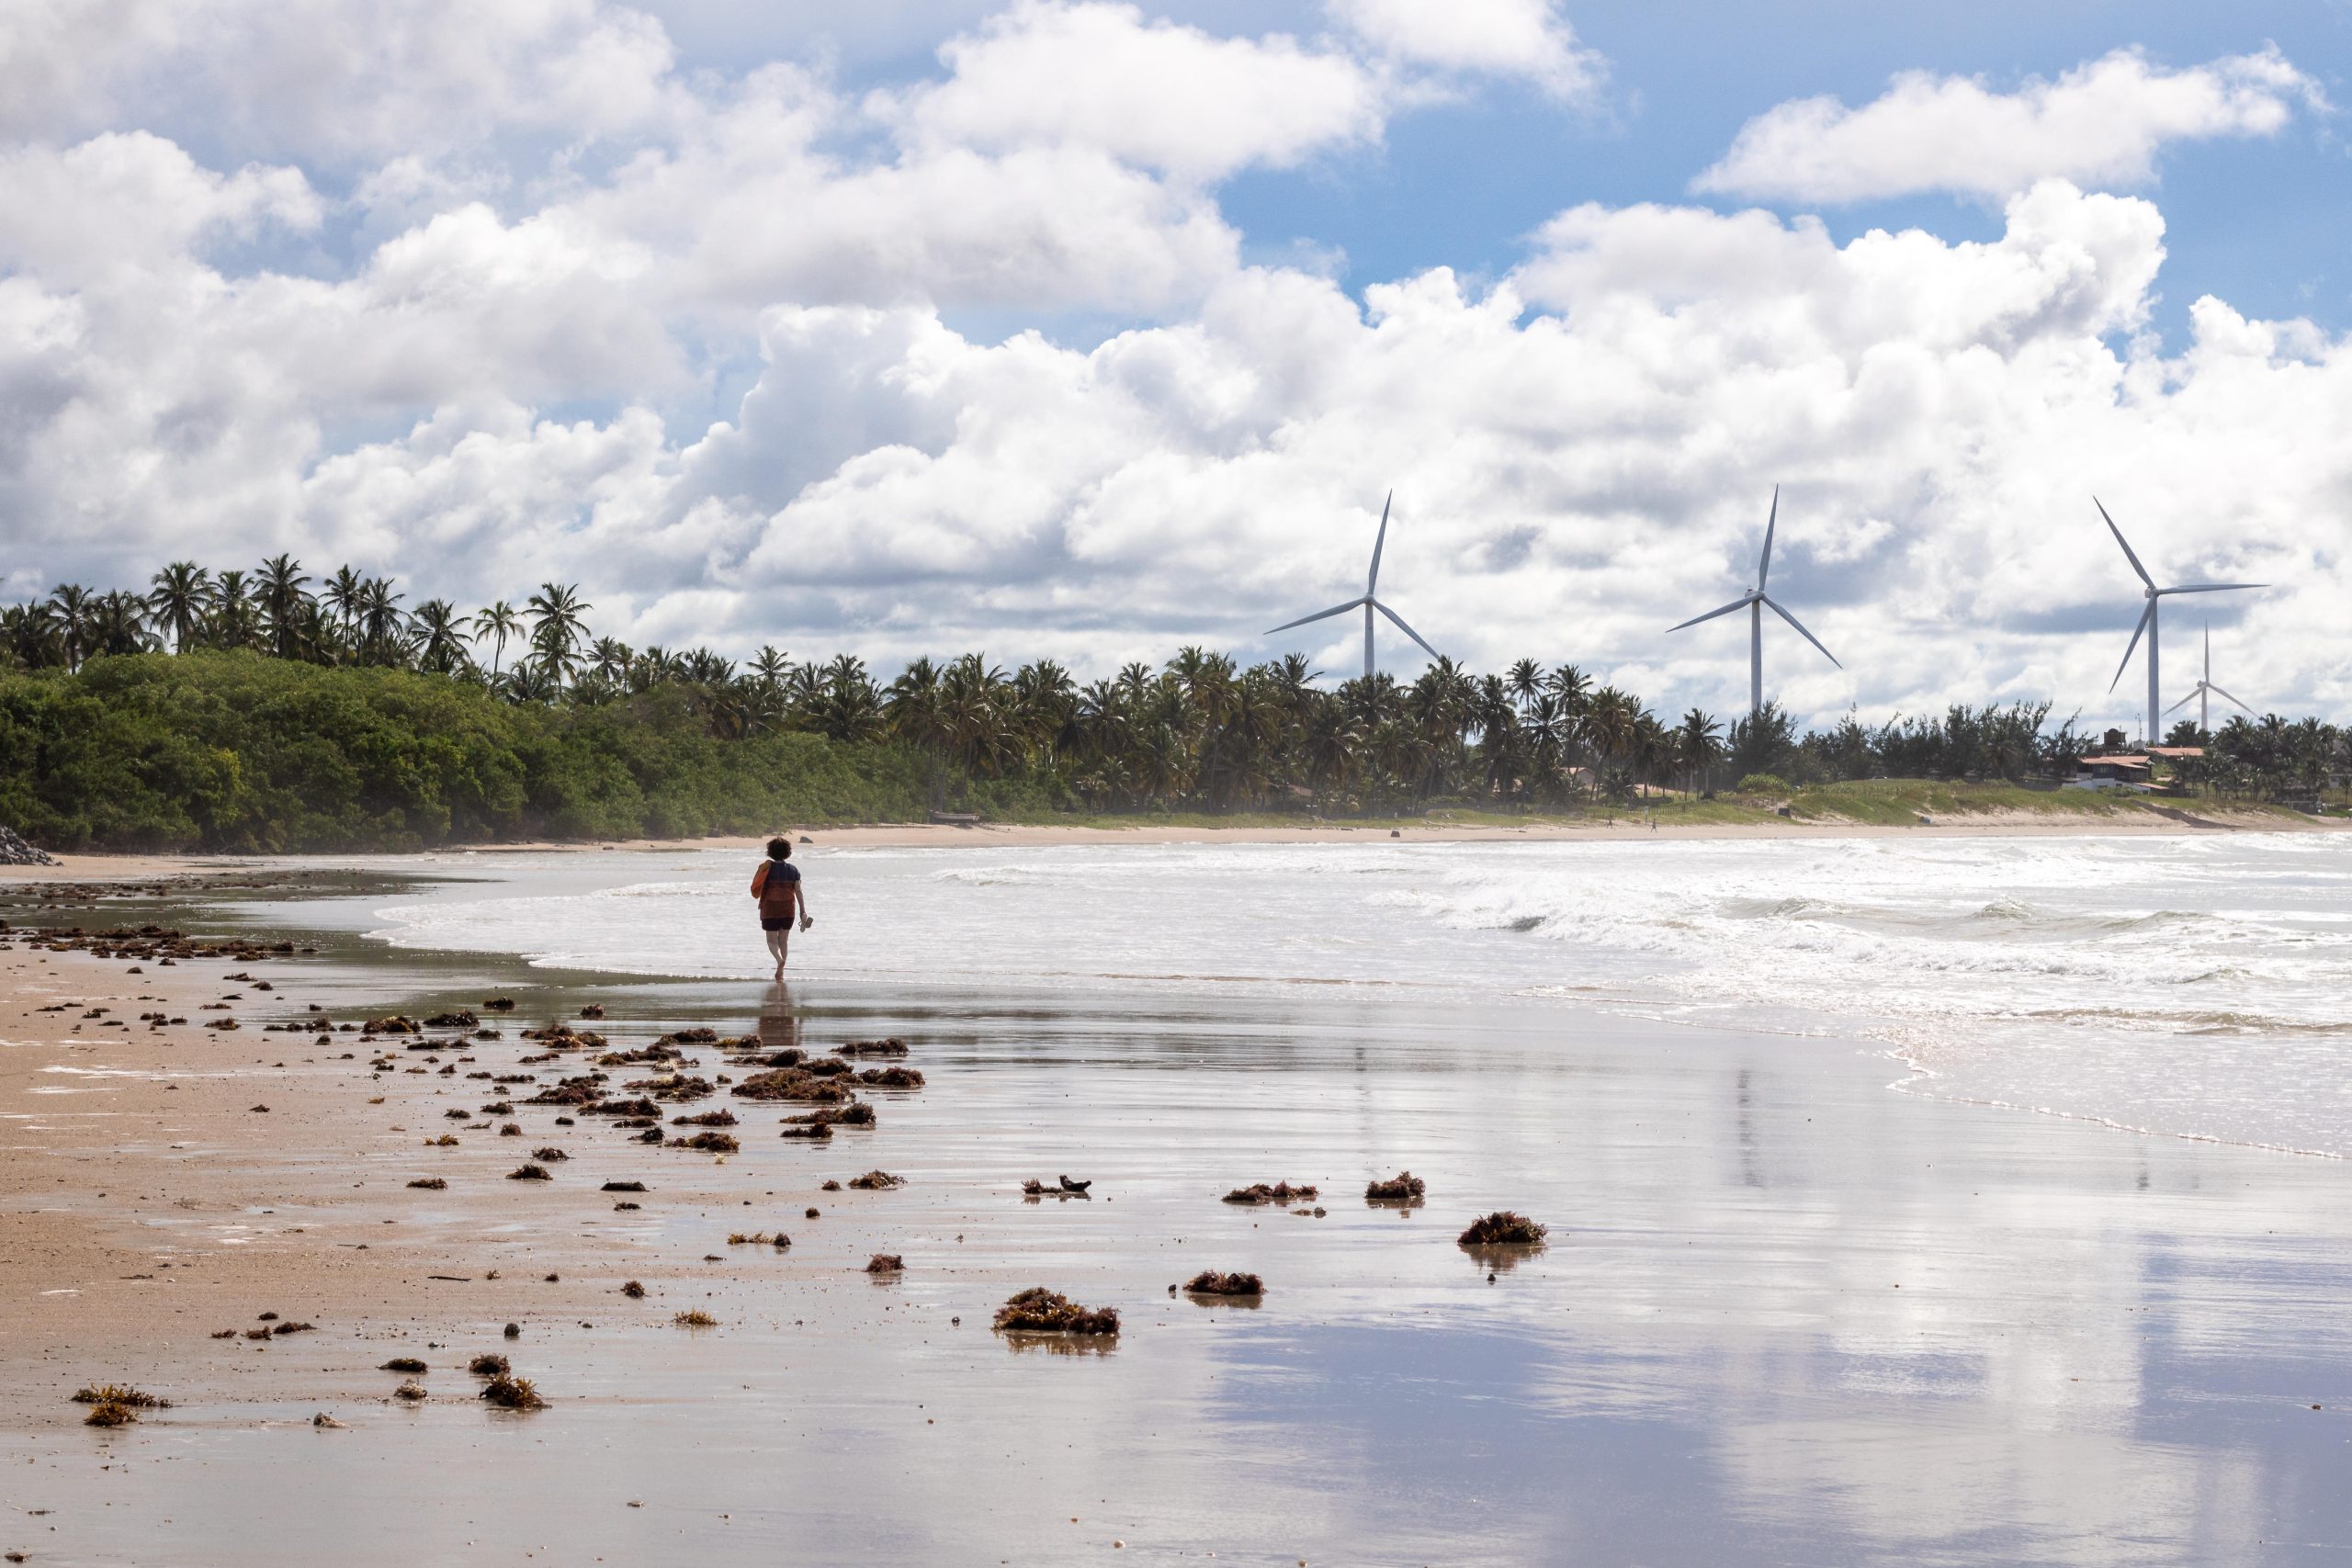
(295, 717)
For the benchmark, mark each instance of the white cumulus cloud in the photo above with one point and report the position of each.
(2102, 123)
(1527, 39)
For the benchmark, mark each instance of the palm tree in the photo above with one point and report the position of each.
(342, 596)
(382, 625)
(118, 624)
(558, 626)
(72, 606)
(439, 637)
(278, 588)
(498, 623)
(183, 593)
(1699, 746)
(236, 619)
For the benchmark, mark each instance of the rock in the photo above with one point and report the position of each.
(14, 851)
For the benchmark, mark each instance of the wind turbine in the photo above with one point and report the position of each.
(2154, 595)
(1756, 602)
(1368, 601)
(2206, 691)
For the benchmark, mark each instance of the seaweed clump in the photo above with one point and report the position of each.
(1403, 1187)
(489, 1366)
(1209, 1282)
(633, 1291)
(429, 1183)
(876, 1181)
(1504, 1227)
(710, 1143)
(886, 1263)
(402, 1364)
(1040, 1311)
(509, 1392)
(1278, 1193)
(120, 1393)
(694, 1319)
(529, 1173)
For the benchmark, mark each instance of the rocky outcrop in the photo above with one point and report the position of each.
(14, 851)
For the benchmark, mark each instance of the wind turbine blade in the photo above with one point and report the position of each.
(1403, 628)
(2185, 702)
(1372, 582)
(2135, 641)
(2127, 545)
(1801, 631)
(2212, 586)
(1319, 616)
(1735, 604)
(2240, 706)
(1764, 561)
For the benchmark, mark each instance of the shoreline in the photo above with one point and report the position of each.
(90, 866)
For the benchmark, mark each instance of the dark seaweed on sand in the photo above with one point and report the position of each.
(1040, 1311)
(623, 1187)
(402, 1364)
(894, 1046)
(819, 1130)
(489, 1366)
(891, 1077)
(1209, 1282)
(884, 1263)
(120, 1393)
(511, 1392)
(429, 1183)
(876, 1181)
(529, 1173)
(1504, 1227)
(792, 1083)
(1402, 1187)
(1278, 1193)
(709, 1143)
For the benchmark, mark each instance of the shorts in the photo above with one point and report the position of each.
(768, 925)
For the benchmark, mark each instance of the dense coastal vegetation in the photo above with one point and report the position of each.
(285, 717)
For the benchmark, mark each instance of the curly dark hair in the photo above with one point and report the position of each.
(779, 848)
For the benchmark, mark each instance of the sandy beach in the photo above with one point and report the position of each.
(1783, 1313)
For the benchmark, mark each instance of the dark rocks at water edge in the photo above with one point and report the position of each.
(14, 851)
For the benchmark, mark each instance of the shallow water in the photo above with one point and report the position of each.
(2198, 986)
(1785, 1316)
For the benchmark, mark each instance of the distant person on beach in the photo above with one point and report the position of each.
(776, 885)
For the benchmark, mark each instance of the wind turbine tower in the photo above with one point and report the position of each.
(1368, 601)
(2206, 691)
(2155, 596)
(1754, 601)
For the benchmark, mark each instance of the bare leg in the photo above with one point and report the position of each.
(776, 943)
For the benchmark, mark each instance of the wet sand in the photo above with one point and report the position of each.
(1784, 1315)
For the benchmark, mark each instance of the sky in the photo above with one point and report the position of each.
(1078, 329)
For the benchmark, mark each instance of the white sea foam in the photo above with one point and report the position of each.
(2194, 986)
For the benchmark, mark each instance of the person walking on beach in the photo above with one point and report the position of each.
(776, 885)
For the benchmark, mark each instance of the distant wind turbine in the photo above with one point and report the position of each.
(2206, 691)
(1369, 603)
(1756, 602)
(2154, 595)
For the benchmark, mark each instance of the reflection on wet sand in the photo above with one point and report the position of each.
(1781, 1315)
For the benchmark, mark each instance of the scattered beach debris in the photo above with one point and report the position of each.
(817, 1130)
(594, 1009)
(894, 1046)
(1040, 1311)
(290, 1327)
(110, 1415)
(514, 1331)
(1504, 1227)
(402, 1364)
(876, 1181)
(489, 1365)
(509, 1392)
(120, 1393)
(633, 1291)
(1210, 1283)
(1402, 1188)
(627, 1205)
(325, 1422)
(498, 1004)
(891, 1077)
(828, 1185)
(709, 1143)
(623, 1187)
(529, 1173)
(550, 1154)
(698, 1318)
(412, 1392)
(810, 1214)
(886, 1263)
(430, 1184)
(1070, 1185)
(1277, 1192)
